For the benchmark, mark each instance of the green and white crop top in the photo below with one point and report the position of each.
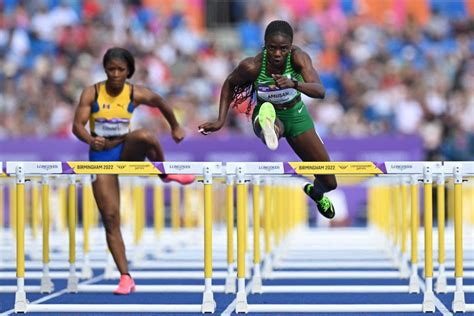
(267, 91)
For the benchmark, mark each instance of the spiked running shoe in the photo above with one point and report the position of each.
(266, 118)
(324, 205)
(125, 286)
(180, 178)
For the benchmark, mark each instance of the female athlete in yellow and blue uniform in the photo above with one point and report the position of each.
(110, 117)
(108, 107)
(278, 76)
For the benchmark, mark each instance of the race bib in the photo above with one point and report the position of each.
(109, 128)
(276, 96)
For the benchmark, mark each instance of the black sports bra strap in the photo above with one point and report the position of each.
(131, 93)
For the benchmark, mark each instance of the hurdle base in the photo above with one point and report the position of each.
(21, 303)
(230, 283)
(110, 271)
(428, 302)
(72, 283)
(248, 264)
(86, 272)
(267, 268)
(257, 285)
(459, 304)
(47, 286)
(404, 269)
(414, 286)
(441, 284)
(241, 306)
(208, 303)
(257, 279)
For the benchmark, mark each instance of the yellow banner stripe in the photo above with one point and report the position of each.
(360, 167)
(116, 167)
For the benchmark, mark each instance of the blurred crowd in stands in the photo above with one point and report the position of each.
(394, 66)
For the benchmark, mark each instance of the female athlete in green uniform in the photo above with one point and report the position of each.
(278, 75)
(108, 107)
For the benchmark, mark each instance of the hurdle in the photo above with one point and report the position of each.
(256, 173)
(413, 169)
(24, 169)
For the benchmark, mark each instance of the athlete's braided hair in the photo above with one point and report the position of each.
(123, 54)
(242, 95)
(279, 27)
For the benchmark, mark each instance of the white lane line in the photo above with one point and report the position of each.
(231, 307)
(54, 295)
(439, 305)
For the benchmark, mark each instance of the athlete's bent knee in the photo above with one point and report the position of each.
(145, 136)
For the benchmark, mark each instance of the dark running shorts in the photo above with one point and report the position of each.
(112, 154)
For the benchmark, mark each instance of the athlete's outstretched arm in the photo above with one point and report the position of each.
(244, 74)
(145, 96)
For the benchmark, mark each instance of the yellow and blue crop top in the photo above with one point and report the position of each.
(111, 115)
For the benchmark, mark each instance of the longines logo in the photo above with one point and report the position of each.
(179, 167)
(47, 167)
(401, 167)
(121, 166)
(268, 168)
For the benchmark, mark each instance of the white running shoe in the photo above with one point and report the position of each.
(266, 118)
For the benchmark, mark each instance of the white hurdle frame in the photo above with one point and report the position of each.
(23, 169)
(415, 169)
(241, 170)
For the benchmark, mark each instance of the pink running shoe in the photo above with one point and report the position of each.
(180, 178)
(125, 286)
